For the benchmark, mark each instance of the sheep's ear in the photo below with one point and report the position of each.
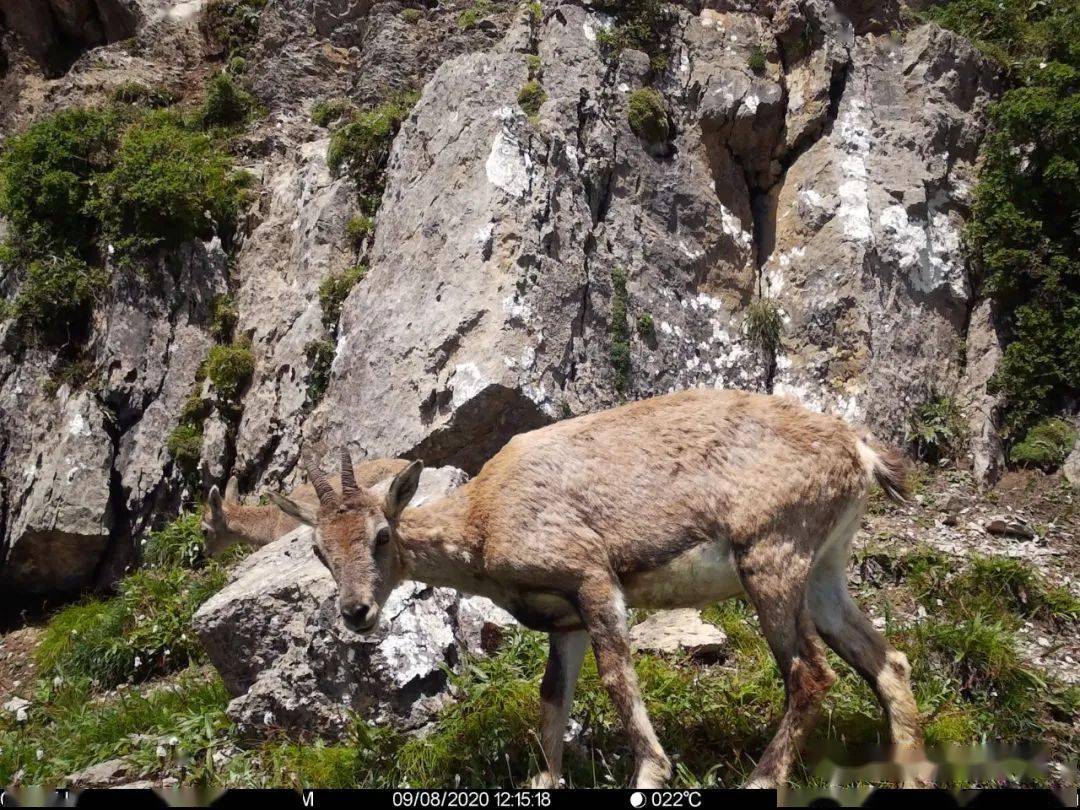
(232, 490)
(402, 488)
(302, 512)
(214, 499)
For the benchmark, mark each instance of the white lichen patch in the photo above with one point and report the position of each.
(509, 164)
(751, 102)
(853, 138)
(467, 381)
(732, 226)
(923, 251)
(77, 426)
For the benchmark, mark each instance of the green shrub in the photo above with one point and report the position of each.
(475, 14)
(756, 62)
(223, 318)
(334, 290)
(645, 326)
(1046, 445)
(619, 330)
(57, 295)
(237, 66)
(185, 446)
(168, 185)
(359, 227)
(412, 15)
(937, 429)
(1021, 234)
(231, 25)
(177, 545)
(143, 632)
(320, 357)
(642, 25)
(534, 65)
(327, 111)
(48, 176)
(226, 103)
(360, 147)
(764, 327)
(229, 369)
(530, 97)
(143, 95)
(648, 116)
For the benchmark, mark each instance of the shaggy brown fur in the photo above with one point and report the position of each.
(674, 501)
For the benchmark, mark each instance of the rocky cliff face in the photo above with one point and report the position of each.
(791, 223)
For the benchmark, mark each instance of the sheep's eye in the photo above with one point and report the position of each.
(382, 536)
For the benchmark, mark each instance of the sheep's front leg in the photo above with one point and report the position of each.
(565, 654)
(603, 609)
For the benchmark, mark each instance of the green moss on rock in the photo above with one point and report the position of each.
(648, 116)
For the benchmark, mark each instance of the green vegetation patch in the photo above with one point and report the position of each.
(143, 632)
(320, 357)
(327, 111)
(231, 26)
(57, 294)
(1046, 445)
(359, 147)
(226, 103)
(756, 61)
(937, 429)
(648, 115)
(229, 368)
(333, 291)
(1022, 234)
(359, 228)
(177, 545)
(643, 25)
(184, 444)
(142, 95)
(476, 14)
(764, 327)
(69, 728)
(224, 317)
(530, 97)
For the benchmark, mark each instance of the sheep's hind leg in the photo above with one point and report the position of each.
(566, 651)
(603, 609)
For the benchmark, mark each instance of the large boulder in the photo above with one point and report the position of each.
(275, 635)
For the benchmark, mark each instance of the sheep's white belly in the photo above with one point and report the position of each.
(700, 576)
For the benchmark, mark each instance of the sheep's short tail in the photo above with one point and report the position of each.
(887, 466)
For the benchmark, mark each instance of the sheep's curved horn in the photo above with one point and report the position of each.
(348, 478)
(318, 480)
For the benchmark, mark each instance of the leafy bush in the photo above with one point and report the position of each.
(143, 632)
(334, 290)
(645, 326)
(226, 103)
(142, 95)
(756, 62)
(231, 25)
(165, 182)
(320, 357)
(48, 176)
(223, 318)
(177, 545)
(358, 228)
(530, 97)
(648, 116)
(936, 429)
(619, 330)
(185, 445)
(1022, 232)
(229, 369)
(57, 295)
(641, 25)
(360, 147)
(412, 15)
(326, 112)
(1046, 445)
(475, 14)
(764, 327)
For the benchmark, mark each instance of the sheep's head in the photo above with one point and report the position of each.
(217, 519)
(355, 537)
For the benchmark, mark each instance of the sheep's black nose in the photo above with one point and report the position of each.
(357, 614)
